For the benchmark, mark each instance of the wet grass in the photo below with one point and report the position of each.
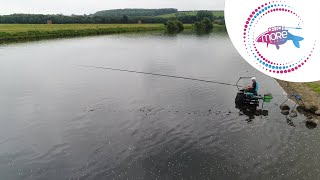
(29, 32)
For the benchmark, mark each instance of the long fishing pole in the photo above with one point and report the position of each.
(156, 74)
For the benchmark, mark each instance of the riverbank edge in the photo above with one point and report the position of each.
(309, 96)
(71, 33)
(29, 36)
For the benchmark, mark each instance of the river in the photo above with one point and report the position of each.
(63, 121)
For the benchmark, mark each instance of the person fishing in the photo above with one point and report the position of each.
(254, 87)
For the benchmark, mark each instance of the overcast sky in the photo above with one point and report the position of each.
(90, 6)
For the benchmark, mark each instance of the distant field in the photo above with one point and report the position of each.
(26, 32)
(190, 13)
(15, 28)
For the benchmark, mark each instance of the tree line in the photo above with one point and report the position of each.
(135, 12)
(74, 19)
(203, 24)
(93, 19)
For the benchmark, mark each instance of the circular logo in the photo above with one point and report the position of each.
(279, 38)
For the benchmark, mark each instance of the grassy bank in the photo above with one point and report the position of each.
(218, 27)
(310, 92)
(29, 32)
(315, 86)
(10, 33)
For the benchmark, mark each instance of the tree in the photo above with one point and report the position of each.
(125, 19)
(203, 26)
(207, 23)
(174, 26)
(198, 25)
(134, 12)
(180, 26)
(187, 19)
(112, 17)
(203, 14)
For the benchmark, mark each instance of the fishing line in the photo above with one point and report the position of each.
(156, 74)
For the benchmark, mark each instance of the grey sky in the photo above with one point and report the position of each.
(91, 6)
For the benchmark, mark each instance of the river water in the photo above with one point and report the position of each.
(62, 121)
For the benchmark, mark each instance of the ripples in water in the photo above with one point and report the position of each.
(65, 122)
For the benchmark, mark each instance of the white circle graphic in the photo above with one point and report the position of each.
(279, 38)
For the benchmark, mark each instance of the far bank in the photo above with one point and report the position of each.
(10, 33)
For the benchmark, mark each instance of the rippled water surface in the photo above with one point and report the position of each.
(62, 121)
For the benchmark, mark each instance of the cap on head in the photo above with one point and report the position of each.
(253, 78)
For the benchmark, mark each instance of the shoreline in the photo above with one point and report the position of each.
(308, 91)
(17, 33)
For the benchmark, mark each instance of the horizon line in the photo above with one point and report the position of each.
(108, 10)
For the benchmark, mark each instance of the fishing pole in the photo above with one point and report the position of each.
(157, 74)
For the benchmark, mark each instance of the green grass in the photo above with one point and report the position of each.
(27, 32)
(315, 86)
(14, 28)
(219, 27)
(190, 13)
(10, 33)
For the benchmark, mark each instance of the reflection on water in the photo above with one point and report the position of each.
(249, 103)
(61, 121)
